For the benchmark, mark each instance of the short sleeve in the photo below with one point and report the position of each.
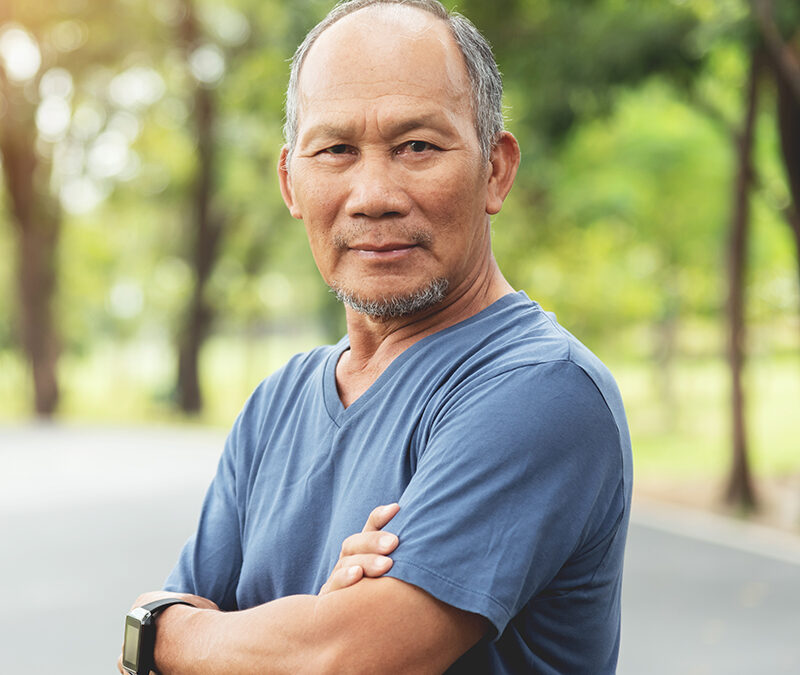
(518, 474)
(210, 562)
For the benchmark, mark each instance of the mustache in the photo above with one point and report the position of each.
(380, 233)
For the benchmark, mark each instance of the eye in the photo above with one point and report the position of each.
(419, 146)
(339, 149)
(420, 149)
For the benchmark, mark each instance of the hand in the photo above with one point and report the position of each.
(365, 553)
(196, 600)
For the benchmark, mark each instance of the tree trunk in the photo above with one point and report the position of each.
(38, 242)
(740, 490)
(666, 338)
(37, 221)
(789, 133)
(206, 231)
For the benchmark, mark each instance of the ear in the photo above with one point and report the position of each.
(504, 162)
(285, 181)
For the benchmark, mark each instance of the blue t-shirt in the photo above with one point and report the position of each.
(505, 442)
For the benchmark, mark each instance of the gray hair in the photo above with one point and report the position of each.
(484, 76)
(395, 306)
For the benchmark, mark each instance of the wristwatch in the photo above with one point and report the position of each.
(140, 635)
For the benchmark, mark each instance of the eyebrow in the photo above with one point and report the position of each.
(331, 130)
(418, 122)
(328, 130)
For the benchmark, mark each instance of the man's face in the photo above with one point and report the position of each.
(387, 173)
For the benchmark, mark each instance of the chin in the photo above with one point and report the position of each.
(393, 305)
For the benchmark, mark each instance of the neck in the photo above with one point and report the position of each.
(375, 343)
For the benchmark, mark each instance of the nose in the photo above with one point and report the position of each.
(376, 191)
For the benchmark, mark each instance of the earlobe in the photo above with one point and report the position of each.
(504, 163)
(285, 182)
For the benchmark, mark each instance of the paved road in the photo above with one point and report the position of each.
(722, 601)
(89, 517)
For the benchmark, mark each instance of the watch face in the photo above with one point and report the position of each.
(132, 645)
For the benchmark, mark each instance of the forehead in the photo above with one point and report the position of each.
(385, 51)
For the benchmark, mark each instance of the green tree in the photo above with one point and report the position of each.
(49, 64)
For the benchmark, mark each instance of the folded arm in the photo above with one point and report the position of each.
(376, 625)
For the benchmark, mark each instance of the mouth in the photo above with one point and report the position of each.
(385, 251)
(382, 248)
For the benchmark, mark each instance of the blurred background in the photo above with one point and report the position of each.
(151, 275)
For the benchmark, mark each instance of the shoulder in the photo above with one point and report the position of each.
(516, 350)
(528, 387)
(533, 410)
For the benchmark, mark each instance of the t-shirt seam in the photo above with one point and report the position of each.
(333, 351)
(454, 584)
(531, 364)
(610, 543)
(613, 533)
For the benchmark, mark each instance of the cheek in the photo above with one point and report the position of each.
(453, 204)
(317, 193)
(314, 202)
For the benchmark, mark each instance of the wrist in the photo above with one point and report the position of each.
(138, 650)
(177, 628)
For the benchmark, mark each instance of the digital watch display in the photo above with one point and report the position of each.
(140, 636)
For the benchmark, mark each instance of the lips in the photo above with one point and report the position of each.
(382, 248)
(384, 252)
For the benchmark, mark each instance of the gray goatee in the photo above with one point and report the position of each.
(394, 306)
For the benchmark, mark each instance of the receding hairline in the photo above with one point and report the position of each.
(454, 63)
(390, 8)
(393, 10)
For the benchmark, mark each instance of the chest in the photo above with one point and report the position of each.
(314, 483)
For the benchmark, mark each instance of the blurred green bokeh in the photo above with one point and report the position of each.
(618, 221)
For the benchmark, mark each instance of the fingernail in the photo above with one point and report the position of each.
(352, 572)
(387, 541)
(384, 563)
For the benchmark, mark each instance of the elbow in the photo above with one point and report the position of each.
(338, 657)
(329, 660)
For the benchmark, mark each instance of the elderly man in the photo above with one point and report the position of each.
(497, 440)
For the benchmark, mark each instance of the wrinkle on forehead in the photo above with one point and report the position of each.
(366, 55)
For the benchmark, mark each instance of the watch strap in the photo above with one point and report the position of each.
(160, 605)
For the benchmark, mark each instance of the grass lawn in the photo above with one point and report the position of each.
(688, 434)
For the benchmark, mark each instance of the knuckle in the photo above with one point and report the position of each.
(350, 544)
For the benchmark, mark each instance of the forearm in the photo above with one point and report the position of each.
(272, 638)
(370, 627)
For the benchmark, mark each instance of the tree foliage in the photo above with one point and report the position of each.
(618, 221)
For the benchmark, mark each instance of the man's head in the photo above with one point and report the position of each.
(386, 168)
(484, 76)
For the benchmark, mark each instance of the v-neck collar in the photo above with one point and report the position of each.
(333, 404)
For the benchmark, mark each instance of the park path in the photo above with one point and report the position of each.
(90, 516)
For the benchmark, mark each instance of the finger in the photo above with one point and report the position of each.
(342, 578)
(380, 543)
(372, 565)
(380, 516)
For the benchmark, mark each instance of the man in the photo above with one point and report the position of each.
(500, 439)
